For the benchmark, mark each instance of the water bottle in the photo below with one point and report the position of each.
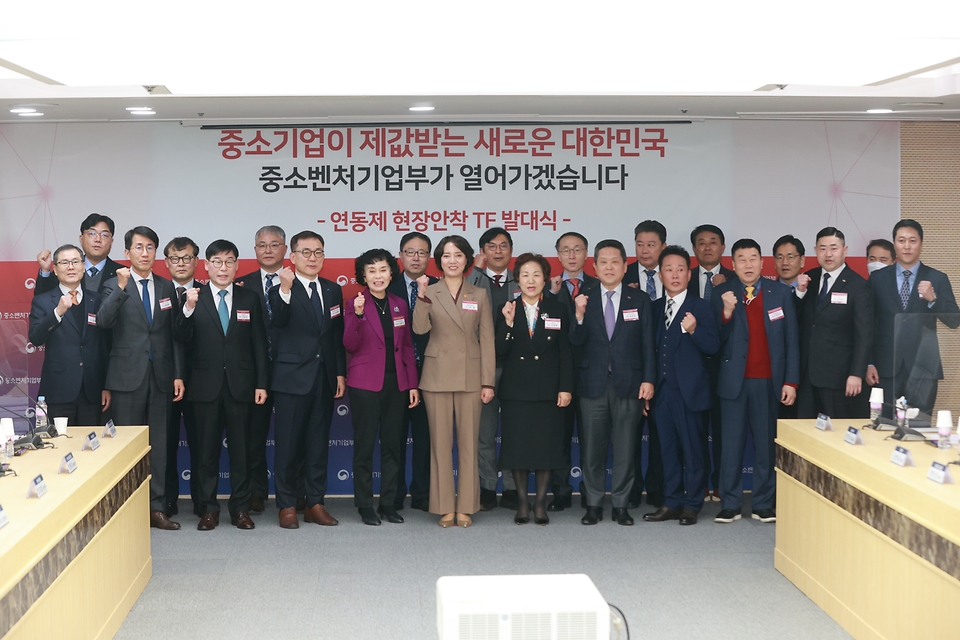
(8, 448)
(41, 413)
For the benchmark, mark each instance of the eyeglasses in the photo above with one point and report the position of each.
(69, 263)
(263, 246)
(577, 251)
(413, 252)
(218, 263)
(181, 259)
(306, 253)
(786, 256)
(144, 248)
(503, 246)
(106, 235)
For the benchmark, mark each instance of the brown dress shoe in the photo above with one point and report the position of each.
(242, 520)
(208, 522)
(256, 504)
(662, 515)
(159, 520)
(319, 515)
(288, 518)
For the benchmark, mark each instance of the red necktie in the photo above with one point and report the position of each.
(497, 279)
(576, 288)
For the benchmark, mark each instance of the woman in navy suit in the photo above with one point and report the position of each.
(382, 379)
(537, 381)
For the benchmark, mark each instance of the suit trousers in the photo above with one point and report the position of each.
(713, 434)
(178, 410)
(681, 440)
(812, 401)
(651, 478)
(260, 415)
(756, 406)
(560, 478)
(79, 413)
(419, 429)
(302, 432)
(487, 444)
(372, 411)
(449, 413)
(148, 405)
(609, 419)
(223, 415)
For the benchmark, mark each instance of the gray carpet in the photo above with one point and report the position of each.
(359, 582)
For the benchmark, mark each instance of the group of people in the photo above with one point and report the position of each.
(694, 356)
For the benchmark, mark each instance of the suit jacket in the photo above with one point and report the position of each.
(563, 296)
(536, 368)
(137, 344)
(398, 288)
(240, 356)
(909, 338)
(76, 348)
(629, 354)
(783, 340)
(693, 289)
(680, 363)
(461, 354)
(364, 340)
(50, 282)
(300, 346)
(836, 338)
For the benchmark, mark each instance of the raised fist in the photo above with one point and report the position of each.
(555, 283)
(286, 279)
(581, 303)
(689, 322)
(509, 312)
(729, 303)
(358, 303)
(66, 301)
(422, 283)
(803, 280)
(123, 276)
(192, 295)
(718, 279)
(45, 260)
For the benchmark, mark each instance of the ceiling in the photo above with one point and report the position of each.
(215, 63)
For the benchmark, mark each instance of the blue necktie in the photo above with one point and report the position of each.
(266, 296)
(317, 306)
(651, 285)
(414, 292)
(93, 271)
(222, 310)
(147, 305)
(905, 289)
(822, 298)
(708, 287)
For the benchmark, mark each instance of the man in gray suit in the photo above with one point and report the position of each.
(490, 272)
(144, 371)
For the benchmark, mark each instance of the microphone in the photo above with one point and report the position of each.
(28, 442)
(49, 432)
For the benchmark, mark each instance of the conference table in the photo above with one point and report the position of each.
(74, 561)
(876, 545)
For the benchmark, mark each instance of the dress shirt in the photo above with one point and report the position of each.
(677, 303)
(656, 280)
(216, 300)
(66, 291)
(263, 279)
(306, 285)
(911, 280)
(492, 275)
(567, 278)
(707, 274)
(135, 278)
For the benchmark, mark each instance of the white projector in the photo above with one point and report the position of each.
(552, 607)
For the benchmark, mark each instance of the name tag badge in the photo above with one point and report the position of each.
(4, 520)
(838, 297)
(775, 314)
(853, 436)
(68, 464)
(38, 487)
(823, 422)
(92, 319)
(553, 324)
(630, 315)
(400, 322)
(940, 473)
(165, 304)
(469, 305)
(334, 311)
(901, 457)
(109, 430)
(91, 442)
(243, 315)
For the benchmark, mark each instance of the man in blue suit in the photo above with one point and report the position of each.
(909, 298)
(686, 330)
(617, 371)
(75, 361)
(759, 370)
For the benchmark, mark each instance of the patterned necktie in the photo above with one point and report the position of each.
(180, 293)
(317, 305)
(749, 289)
(669, 313)
(905, 289)
(651, 285)
(823, 290)
(497, 278)
(222, 310)
(73, 295)
(708, 287)
(576, 287)
(610, 315)
(270, 277)
(414, 292)
(147, 305)
(93, 271)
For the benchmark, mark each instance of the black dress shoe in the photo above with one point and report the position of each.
(662, 514)
(488, 499)
(390, 515)
(256, 504)
(559, 503)
(688, 517)
(369, 516)
(622, 516)
(420, 505)
(510, 499)
(592, 516)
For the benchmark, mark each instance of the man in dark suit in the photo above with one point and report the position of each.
(415, 250)
(759, 370)
(686, 331)
(836, 334)
(180, 256)
(491, 272)
(309, 371)
(145, 371)
(270, 246)
(96, 240)
(616, 379)
(75, 357)
(910, 297)
(572, 253)
(228, 362)
(708, 244)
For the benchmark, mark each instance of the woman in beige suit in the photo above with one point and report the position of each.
(459, 370)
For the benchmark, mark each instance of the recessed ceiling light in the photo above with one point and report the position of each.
(138, 108)
(143, 112)
(30, 114)
(422, 108)
(22, 110)
(879, 110)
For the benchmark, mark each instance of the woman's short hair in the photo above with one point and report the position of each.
(524, 258)
(370, 257)
(460, 243)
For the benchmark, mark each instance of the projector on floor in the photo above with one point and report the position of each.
(551, 607)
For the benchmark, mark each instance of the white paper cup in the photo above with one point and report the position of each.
(6, 427)
(61, 424)
(944, 419)
(876, 395)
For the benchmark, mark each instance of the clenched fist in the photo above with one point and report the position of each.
(191, 297)
(581, 303)
(358, 303)
(286, 280)
(689, 323)
(555, 283)
(802, 281)
(422, 283)
(925, 289)
(718, 279)
(509, 312)
(729, 303)
(45, 260)
(123, 276)
(66, 301)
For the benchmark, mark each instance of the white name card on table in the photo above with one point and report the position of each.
(823, 422)
(940, 473)
(902, 457)
(853, 436)
(91, 442)
(109, 430)
(68, 464)
(38, 487)
(4, 520)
